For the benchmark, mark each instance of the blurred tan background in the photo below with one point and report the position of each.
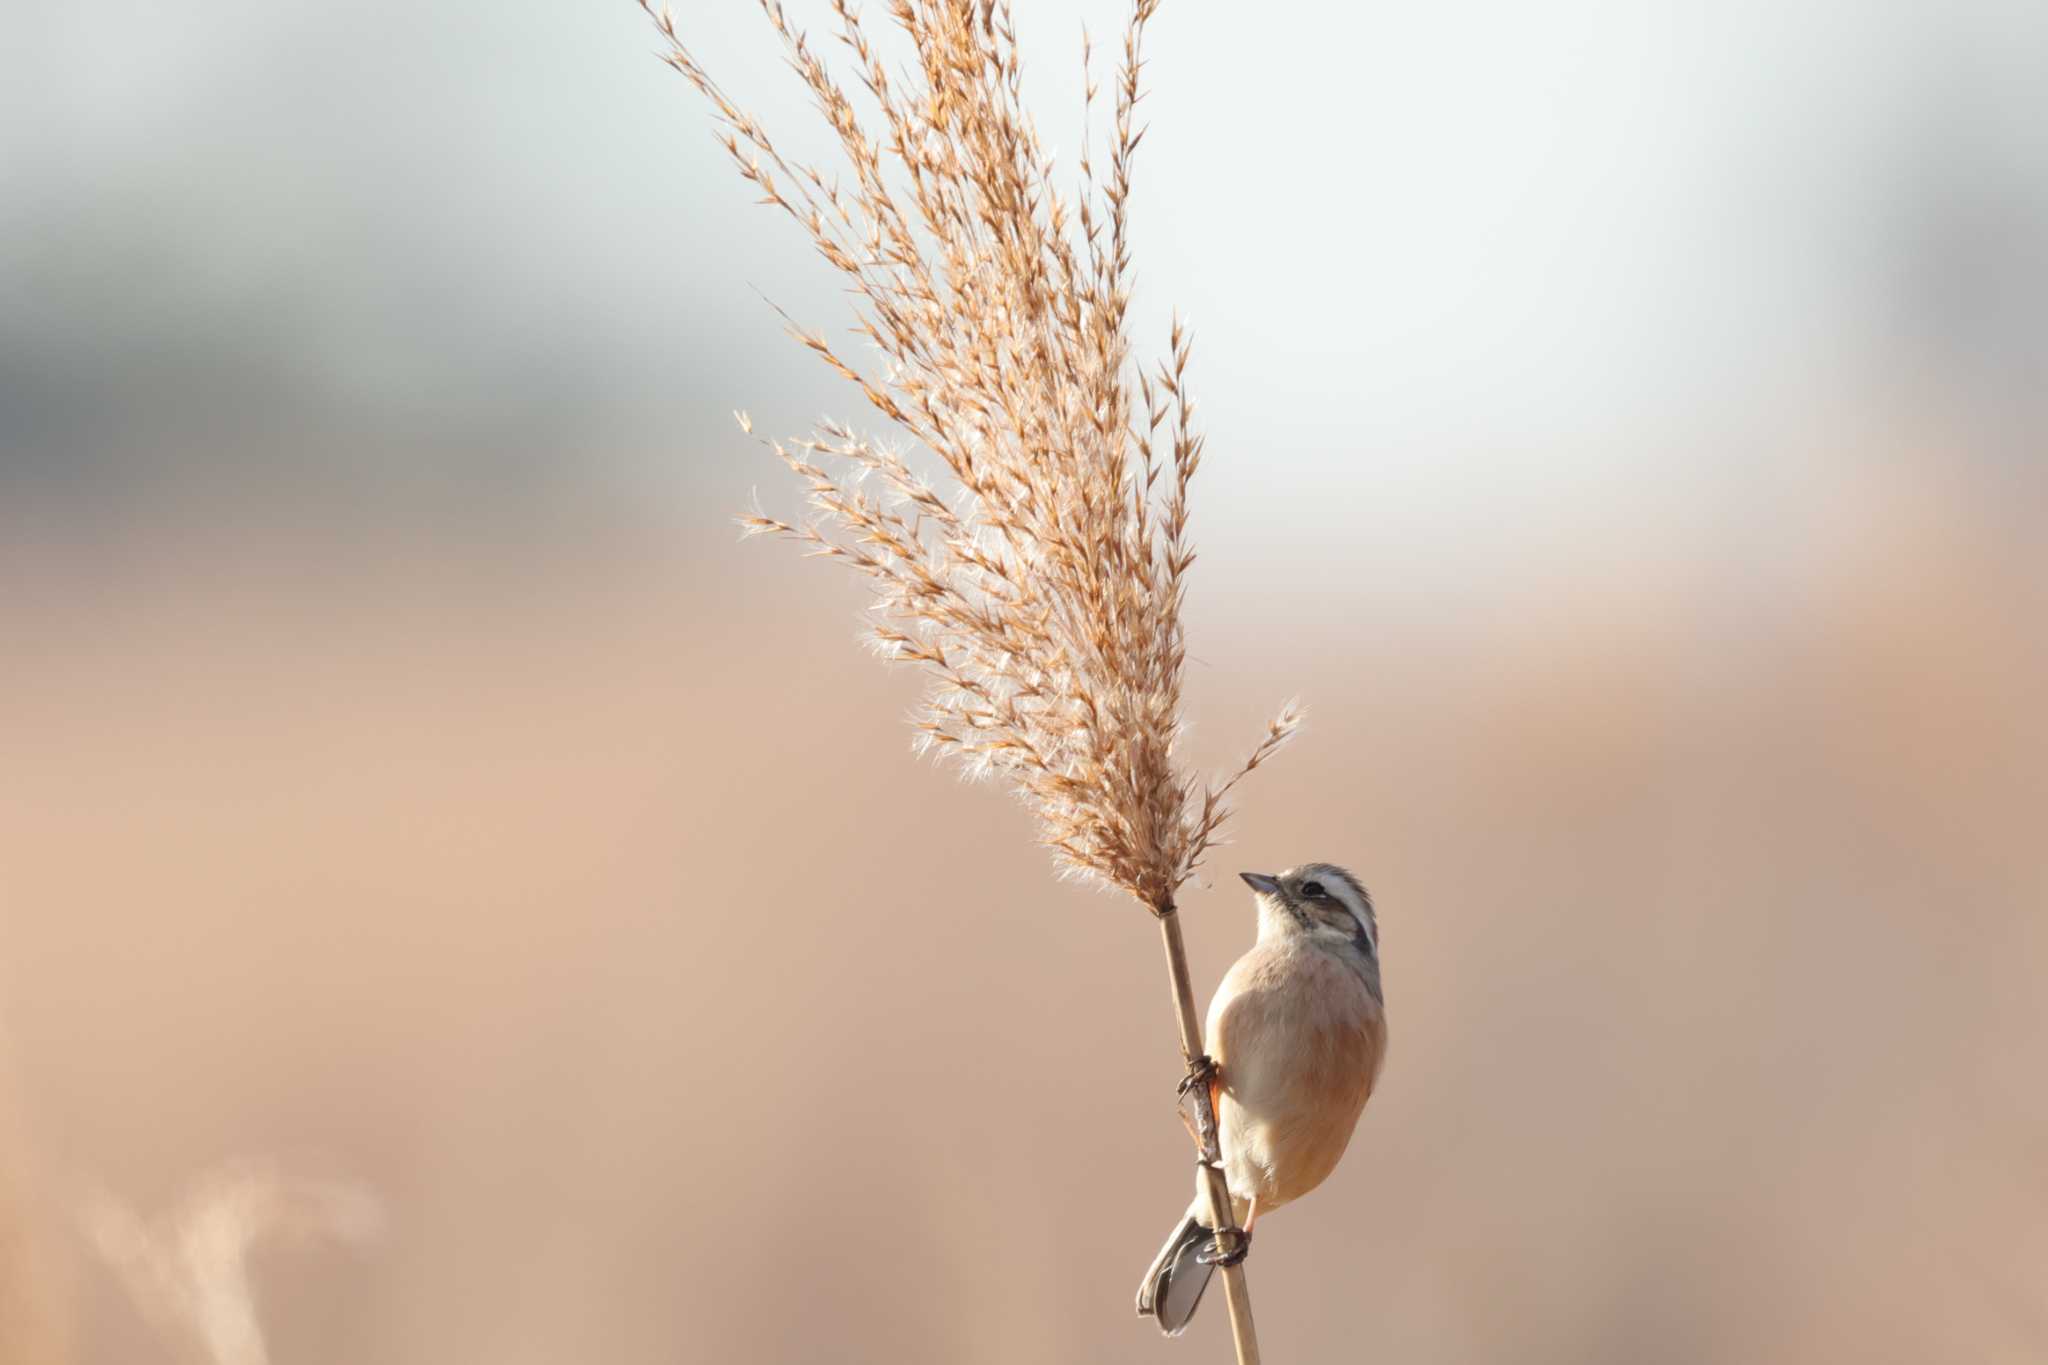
(1626, 431)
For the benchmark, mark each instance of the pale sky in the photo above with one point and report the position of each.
(1450, 263)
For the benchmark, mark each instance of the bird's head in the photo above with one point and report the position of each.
(1320, 902)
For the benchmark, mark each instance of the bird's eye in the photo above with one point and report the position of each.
(1313, 890)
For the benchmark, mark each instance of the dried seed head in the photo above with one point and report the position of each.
(1043, 597)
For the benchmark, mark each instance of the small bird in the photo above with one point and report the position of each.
(1297, 1031)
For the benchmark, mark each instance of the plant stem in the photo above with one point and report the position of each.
(1237, 1295)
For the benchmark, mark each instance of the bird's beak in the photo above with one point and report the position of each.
(1259, 881)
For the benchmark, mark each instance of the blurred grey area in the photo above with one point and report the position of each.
(1628, 431)
(1441, 258)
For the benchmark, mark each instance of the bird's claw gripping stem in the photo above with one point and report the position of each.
(1226, 1248)
(1201, 1075)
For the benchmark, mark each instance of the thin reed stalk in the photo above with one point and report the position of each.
(1237, 1295)
(1039, 585)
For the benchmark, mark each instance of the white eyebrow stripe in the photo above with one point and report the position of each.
(1343, 888)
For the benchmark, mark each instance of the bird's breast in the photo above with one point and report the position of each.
(1299, 1038)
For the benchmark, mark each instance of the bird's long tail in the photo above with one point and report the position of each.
(1173, 1287)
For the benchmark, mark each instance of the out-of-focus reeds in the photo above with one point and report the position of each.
(1044, 594)
(189, 1273)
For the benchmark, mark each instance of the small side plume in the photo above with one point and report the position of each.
(188, 1271)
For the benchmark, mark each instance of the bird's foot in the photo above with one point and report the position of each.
(1226, 1248)
(1199, 1081)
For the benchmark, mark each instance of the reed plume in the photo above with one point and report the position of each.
(189, 1273)
(1041, 588)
